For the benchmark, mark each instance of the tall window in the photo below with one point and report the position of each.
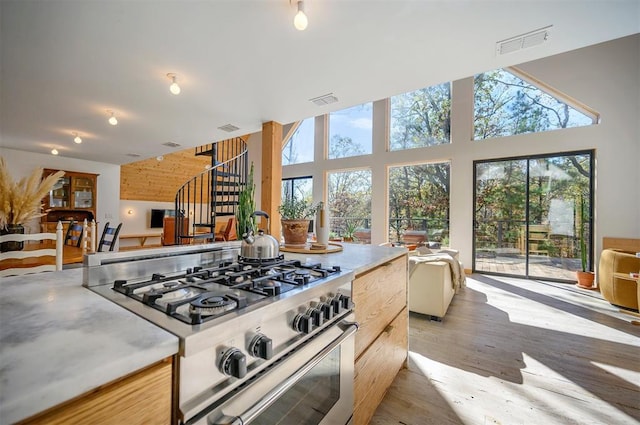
(421, 118)
(350, 131)
(506, 105)
(299, 148)
(419, 200)
(350, 203)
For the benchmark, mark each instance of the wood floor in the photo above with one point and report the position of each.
(517, 352)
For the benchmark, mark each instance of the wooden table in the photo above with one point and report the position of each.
(142, 237)
(70, 255)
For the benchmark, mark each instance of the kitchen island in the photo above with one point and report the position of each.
(60, 341)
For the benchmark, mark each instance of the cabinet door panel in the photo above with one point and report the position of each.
(379, 295)
(376, 369)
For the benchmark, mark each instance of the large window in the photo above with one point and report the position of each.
(505, 105)
(421, 118)
(350, 204)
(350, 131)
(299, 148)
(532, 215)
(419, 201)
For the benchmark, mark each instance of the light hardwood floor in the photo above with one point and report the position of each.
(518, 352)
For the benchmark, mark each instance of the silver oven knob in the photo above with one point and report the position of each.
(261, 346)
(233, 363)
(303, 323)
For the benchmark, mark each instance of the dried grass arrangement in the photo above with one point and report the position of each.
(21, 201)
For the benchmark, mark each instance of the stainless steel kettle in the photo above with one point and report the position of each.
(261, 246)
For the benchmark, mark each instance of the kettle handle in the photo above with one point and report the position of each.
(262, 214)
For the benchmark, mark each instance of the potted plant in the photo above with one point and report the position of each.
(349, 231)
(585, 277)
(295, 215)
(245, 223)
(21, 201)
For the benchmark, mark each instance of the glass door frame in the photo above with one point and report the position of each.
(529, 158)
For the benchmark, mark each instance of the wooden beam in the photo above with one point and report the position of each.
(292, 130)
(272, 173)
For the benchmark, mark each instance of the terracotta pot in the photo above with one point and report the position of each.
(585, 279)
(295, 231)
(12, 245)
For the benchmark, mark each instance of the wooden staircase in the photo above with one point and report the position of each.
(212, 194)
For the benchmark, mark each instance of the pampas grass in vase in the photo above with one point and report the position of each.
(21, 201)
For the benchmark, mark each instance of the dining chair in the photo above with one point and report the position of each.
(29, 259)
(109, 237)
(75, 233)
(228, 234)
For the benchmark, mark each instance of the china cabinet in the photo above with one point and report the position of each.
(72, 198)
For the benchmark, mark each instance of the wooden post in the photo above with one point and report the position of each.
(272, 174)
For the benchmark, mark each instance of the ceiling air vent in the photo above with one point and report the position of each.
(229, 128)
(524, 41)
(324, 99)
(134, 155)
(171, 144)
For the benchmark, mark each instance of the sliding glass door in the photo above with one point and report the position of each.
(530, 213)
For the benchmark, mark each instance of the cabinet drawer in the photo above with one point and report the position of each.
(376, 369)
(379, 295)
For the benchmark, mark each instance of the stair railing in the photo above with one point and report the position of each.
(212, 193)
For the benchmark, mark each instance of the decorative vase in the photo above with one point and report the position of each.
(295, 232)
(585, 279)
(322, 226)
(12, 245)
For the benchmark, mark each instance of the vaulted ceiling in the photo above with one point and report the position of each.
(65, 63)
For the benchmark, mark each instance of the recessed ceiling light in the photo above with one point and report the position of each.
(112, 119)
(54, 151)
(174, 87)
(77, 139)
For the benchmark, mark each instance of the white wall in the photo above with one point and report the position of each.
(605, 77)
(21, 164)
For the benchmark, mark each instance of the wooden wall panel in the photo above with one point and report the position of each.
(153, 180)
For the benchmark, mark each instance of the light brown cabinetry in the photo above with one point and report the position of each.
(73, 197)
(380, 298)
(141, 398)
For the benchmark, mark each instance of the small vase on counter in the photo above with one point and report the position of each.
(322, 226)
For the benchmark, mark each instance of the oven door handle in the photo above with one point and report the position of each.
(254, 411)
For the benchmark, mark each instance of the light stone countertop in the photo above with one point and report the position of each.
(59, 340)
(356, 257)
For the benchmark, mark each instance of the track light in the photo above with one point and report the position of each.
(77, 138)
(300, 21)
(174, 87)
(112, 119)
(54, 151)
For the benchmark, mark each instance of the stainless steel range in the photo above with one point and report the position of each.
(261, 341)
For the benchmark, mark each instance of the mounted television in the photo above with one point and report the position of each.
(157, 217)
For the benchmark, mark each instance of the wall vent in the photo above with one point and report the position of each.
(524, 41)
(134, 155)
(171, 144)
(325, 99)
(229, 128)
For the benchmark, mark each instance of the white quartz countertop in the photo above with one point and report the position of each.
(59, 340)
(356, 257)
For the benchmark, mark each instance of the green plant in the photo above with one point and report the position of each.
(246, 206)
(350, 229)
(298, 209)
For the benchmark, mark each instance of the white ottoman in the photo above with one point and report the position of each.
(430, 288)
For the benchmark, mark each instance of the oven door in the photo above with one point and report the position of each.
(311, 386)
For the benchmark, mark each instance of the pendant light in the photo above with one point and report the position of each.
(77, 138)
(112, 119)
(300, 21)
(174, 87)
